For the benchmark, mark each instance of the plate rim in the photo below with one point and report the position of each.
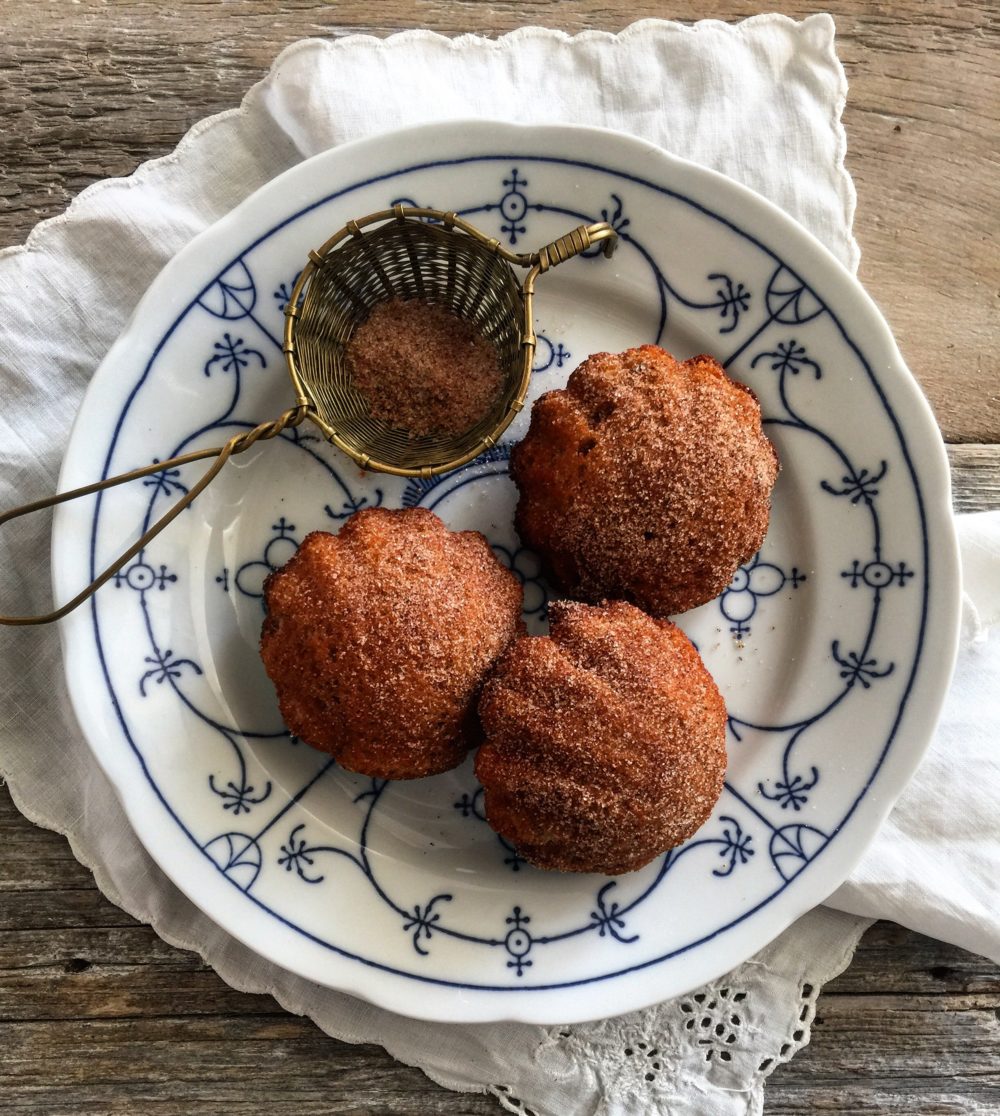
(933, 494)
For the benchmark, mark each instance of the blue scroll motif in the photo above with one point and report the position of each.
(736, 309)
(425, 922)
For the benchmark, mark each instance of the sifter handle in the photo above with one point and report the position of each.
(551, 255)
(237, 444)
(573, 243)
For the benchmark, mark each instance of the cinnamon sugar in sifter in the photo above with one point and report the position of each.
(422, 368)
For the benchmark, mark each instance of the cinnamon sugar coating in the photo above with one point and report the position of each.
(422, 368)
(605, 741)
(645, 479)
(378, 640)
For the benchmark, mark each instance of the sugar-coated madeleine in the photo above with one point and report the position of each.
(645, 479)
(605, 741)
(378, 640)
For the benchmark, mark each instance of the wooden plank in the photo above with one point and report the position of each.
(92, 89)
(975, 478)
(880, 1054)
(236, 1064)
(78, 908)
(870, 1053)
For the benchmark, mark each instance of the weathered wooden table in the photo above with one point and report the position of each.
(97, 1015)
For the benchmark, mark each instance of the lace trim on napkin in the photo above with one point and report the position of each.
(720, 1043)
(712, 1026)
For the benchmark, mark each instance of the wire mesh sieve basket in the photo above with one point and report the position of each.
(400, 253)
(425, 254)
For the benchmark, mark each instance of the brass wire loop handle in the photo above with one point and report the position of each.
(237, 444)
(406, 252)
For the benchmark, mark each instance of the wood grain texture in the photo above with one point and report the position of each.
(97, 1015)
(975, 477)
(92, 89)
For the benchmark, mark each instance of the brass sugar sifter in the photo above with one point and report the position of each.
(404, 252)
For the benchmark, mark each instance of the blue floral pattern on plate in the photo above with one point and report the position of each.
(291, 831)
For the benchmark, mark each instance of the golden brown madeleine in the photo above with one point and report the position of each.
(378, 640)
(645, 479)
(605, 741)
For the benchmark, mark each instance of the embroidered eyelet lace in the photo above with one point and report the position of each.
(707, 1054)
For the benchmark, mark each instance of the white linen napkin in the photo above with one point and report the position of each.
(699, 91)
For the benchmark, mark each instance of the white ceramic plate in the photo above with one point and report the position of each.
(833, 647)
